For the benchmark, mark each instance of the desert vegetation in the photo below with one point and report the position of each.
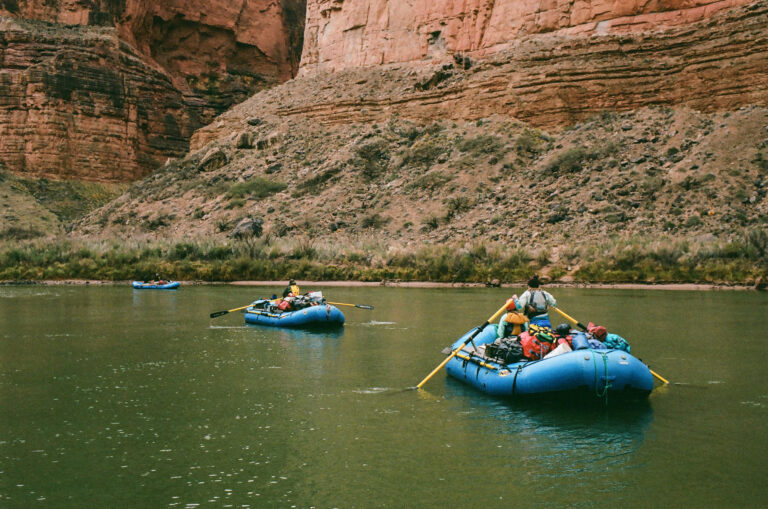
(655, 260)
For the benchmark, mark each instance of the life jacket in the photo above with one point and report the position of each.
(537, 303)
(537, 341)
(516, 321)
(295, 290)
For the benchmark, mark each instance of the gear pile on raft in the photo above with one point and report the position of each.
(295, 310)
(523, 355)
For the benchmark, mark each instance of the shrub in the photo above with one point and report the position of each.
(160, 221)
(570, 161)
(757, 238)
(371, 158)
(431, 223)
(456, 205)
(481, 144)
(17, 233)
(374, 221)
(235, 203)
(692, 222)
(257, 187)
(651, 185)
(429, 182)
(314, 184)
(529, 143)
(424, 153)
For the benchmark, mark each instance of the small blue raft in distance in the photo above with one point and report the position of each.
(140, 285)
(320, 316)
(613, 374)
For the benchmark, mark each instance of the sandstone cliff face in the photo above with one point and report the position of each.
(342, 33)
(190, 38)
(179, 63)
(717, 64)
(77, 103)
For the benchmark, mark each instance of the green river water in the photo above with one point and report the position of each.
(111, 397)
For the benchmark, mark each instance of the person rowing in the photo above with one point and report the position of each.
(535, 303)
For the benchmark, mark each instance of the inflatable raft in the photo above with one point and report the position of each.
(319, 316)
(603, 373)
(140, 285)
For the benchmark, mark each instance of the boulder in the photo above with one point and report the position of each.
(248, 227)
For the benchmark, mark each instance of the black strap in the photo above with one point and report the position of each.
(514, 381)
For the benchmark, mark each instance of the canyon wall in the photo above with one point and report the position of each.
(77, 103)
(341, 34)
(140, 76)
(549, 81)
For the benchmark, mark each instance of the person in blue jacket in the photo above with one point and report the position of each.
(535, 303)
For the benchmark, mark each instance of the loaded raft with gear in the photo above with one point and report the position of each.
(542, 362)
(295, 311)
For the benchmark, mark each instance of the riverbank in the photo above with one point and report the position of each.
(628, 263)
(406, 284)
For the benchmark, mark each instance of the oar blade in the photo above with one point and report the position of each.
(361, 306)
(218, 313)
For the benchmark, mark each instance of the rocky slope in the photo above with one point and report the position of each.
(102, 90)
(665, 134)
(654, 172)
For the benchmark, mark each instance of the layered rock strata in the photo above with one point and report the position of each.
(342, 33)
(106, 90)
(549, 81)
(78, 103)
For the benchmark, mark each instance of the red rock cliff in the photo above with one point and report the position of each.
(344, 33)
(716, 64)
(166, 68)
(77, 103)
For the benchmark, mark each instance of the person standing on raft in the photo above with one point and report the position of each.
(535, 303)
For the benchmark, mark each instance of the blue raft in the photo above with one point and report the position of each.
(601, 373)
(140, 285)
(320, 316)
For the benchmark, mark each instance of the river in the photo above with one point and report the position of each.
(113, 397)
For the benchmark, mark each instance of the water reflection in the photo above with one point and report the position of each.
(559, 437)
(298, 334)
(164, 298)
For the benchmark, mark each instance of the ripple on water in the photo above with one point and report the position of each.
(372, 390)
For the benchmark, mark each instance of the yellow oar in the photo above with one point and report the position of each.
(361, 306)
(658, 376)
(576, 322)
(571, 319)
(219, 313)
(470, 338)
